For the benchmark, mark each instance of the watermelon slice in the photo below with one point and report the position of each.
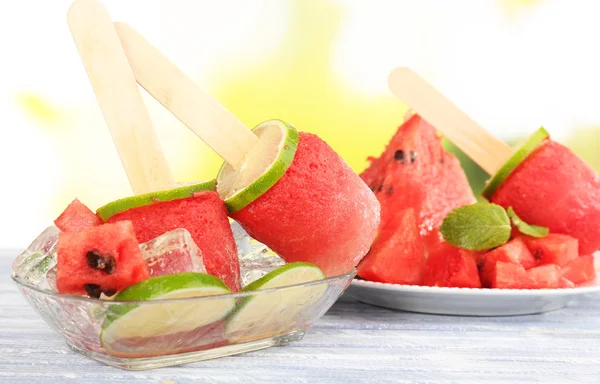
(580, 270)
(205, 217)
(76, 217)
(416, 172)
(448, 266)
(102, 259)
(515, 251)
(553, 188)
(553, 249)
(398, 254)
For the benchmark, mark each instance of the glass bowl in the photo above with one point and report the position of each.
(159, 333)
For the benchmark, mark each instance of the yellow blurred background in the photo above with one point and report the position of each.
(322, 65)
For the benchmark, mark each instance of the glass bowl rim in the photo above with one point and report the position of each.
(235, 295)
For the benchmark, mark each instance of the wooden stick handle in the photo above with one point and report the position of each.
(480, 145)
(118, 96)
(199, 111)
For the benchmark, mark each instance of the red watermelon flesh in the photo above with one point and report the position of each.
(204, 215)
(515, 251)
(76, 217)
(554, 188)
(102, 259)
(545, 276)
(397, 256)
(580, 270)
(553, 249)
(514, 276)
(415, 171)
(447, 266)
(320, 211)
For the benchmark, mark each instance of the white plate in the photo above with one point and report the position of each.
(465, 301)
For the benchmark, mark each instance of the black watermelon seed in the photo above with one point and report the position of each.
(96, 260)
(93, 290)
(399, 156)
(389, 191)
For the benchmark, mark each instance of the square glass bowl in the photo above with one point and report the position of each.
(159, 333)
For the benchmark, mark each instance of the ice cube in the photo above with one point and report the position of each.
(256, 259)
(50, 283)
(172, 252)
(33, 264)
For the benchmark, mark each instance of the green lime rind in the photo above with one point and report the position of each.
(283, 160)
(263, 282)
(274, 279)
(525, 228)
(156, 288)
(109, 210)
(477, 227)
(532, 143)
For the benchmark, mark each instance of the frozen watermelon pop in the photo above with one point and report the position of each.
(288, 190)
(154, 210)
(543, 181)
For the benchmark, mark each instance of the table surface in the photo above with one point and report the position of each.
(352, 343)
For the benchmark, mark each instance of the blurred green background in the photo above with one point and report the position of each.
(513, 65)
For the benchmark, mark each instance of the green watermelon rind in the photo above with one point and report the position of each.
(281, 164)
(155, 287)
(109, 210)
(532, 143)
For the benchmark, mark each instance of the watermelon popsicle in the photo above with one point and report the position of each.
(544, 182)
(154, 210)
(288, 190)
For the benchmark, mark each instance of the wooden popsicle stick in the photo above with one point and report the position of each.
(196, 109)
(489, 152)
(118, 96)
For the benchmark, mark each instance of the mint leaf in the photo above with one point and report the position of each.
(477, 227)
(524, 228)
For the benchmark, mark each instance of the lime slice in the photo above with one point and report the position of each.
(532, 143)
(109, 210)
(130, 321)
(266, 314)
(263, 166)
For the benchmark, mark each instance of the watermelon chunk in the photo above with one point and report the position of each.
(514, 276)
(545, 276)
(553, 249)
(397, 255)
(554, 188)
(76, 217)
(205, 217)
(507, 275)
(580, 270)
(413, 173)
(515, 251)
(448, 266)
(102, 259)
(416, 172)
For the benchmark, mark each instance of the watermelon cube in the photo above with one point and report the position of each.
(397, 255)
(553, 249)
(103, 259)
(580, 270)
(76, 217)
(448, 266)
(514, 276)
(545, 276)
(515, 251)
(507, 275)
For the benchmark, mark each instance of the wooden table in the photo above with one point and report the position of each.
(352, 343)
